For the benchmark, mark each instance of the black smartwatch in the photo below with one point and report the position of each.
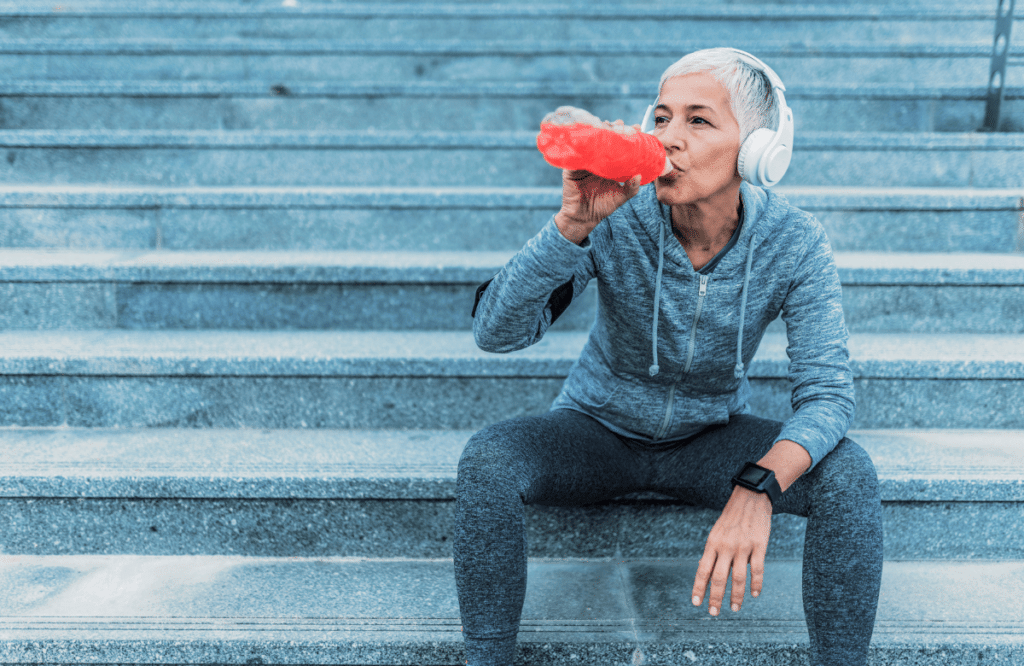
(760, 480)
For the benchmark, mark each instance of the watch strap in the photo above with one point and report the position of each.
(770, 487)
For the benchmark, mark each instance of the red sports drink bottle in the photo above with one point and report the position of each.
(572, 138)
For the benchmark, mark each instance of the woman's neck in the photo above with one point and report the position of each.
(707, 225)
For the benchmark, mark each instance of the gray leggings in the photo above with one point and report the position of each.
(566, 458)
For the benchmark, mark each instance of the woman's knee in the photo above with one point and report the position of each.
(850, 466)
(490, 455)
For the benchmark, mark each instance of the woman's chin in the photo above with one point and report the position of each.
(666, 192)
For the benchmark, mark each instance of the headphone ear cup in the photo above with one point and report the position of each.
(751, 152)
(777, 163)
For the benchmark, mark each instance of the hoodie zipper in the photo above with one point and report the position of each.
(696, 317)
(689, 358)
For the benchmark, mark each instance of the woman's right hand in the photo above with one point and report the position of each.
(587, 199)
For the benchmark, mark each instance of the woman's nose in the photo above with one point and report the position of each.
(672, 138)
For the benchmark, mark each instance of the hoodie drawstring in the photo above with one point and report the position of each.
(657, 297)
(738, 370)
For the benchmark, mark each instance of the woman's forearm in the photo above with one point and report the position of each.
(788, 460)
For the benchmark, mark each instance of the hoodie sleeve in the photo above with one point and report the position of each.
(517, 305)
(819, 369)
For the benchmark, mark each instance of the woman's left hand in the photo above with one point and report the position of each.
(739, 536)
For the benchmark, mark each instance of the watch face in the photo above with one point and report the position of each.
(753, 475)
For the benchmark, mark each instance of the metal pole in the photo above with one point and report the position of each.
(997, 71)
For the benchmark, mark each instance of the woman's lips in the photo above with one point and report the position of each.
(667, 169)
(671, 169)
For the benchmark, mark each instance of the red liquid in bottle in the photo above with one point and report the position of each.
(601, 151)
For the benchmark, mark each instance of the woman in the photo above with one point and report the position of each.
(691, 269)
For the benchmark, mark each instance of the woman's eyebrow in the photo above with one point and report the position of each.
(691, 107)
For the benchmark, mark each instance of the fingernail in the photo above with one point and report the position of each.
(754, 594)
(735, 607)
(714, 611)
(696, 600)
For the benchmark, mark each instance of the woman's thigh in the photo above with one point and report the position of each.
(699, 470)
(561, 458)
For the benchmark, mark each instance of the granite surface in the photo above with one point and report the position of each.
(917, 309)
(933, 465)
(504, 139)
(816, 198)
(439, 354)
(449, 219)
(617, 47)
(328, 610)
(408, 307)
(57, 305)
(31, 401)
(312, 107)
(198, 480)
(393, 61)
(388, 379)
(316, 402)
(148, 9)
(374, 493)
(729, 23)
(260, 526)
(636, 525)
(219, 158)
(912, 403)
(639, 90)
(440, 402)
(281, 165)
(156, 5)
(442, 268)
(398, 267)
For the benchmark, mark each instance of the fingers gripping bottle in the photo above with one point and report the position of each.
(572, 138)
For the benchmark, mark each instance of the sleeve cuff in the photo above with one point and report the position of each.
(811, 442)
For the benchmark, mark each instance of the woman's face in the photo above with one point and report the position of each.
(695, 122)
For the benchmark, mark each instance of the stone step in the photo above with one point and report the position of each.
(455, 219)
(391, 493)
(441, 379)
(468, 105)
(353, 290)
(331, 610)
(456, 159)
(91, 5)
(925, 63)
(808, 24)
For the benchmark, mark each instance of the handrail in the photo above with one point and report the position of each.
(1020, 225)
(997, 70)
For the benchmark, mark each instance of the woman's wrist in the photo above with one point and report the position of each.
(573, 231)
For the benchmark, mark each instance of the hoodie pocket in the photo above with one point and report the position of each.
(596, 387)
(599, 398)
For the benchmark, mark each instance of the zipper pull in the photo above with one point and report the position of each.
(703, 284)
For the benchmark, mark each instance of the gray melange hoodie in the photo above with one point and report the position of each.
(666, 356)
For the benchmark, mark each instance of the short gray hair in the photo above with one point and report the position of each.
(750, 93)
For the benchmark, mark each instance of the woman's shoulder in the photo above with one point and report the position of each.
(778, 206)
(785, 219)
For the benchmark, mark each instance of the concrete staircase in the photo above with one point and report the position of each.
(239, 243)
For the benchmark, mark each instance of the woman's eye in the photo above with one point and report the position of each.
(658, 119)
(696, 118)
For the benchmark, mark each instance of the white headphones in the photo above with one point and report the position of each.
(764, 155)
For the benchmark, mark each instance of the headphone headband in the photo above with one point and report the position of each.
(756, 62)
